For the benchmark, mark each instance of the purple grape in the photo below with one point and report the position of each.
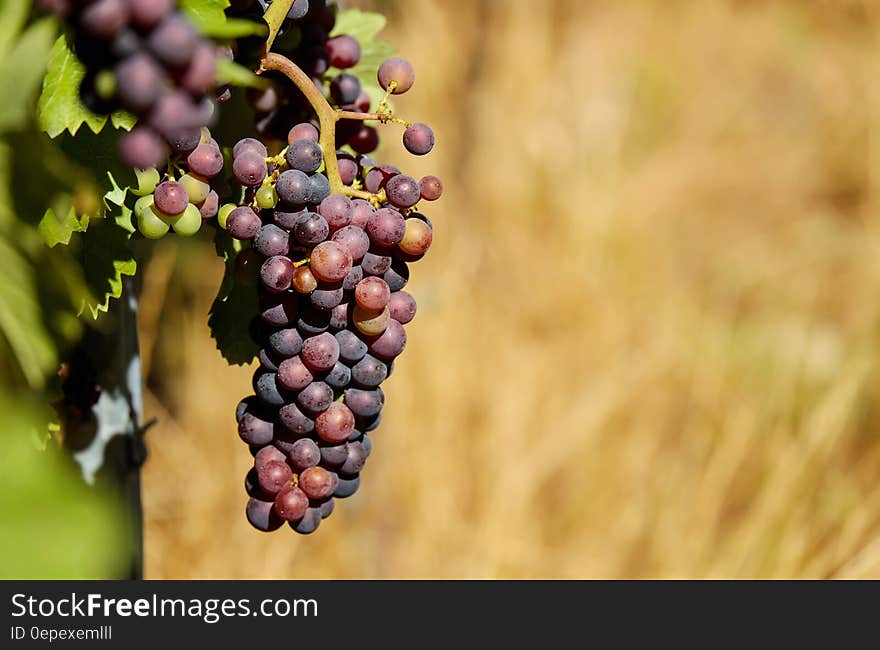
(402, 307)
(262, 516)
(279, 310)
(386, 228)
(418, 139)
(276, 273)
(326, 296)
(142, 148)
(243, 223)
(305, 453)
(351, 348)
(378, 176)
(364, 403)
(286, 216)
(103, 18)
(344, 51)
(201, 72)
(403, 191)
(346, 486)
(369, 372)
(304, 155)
(303, 131)
(375, 264)
(319, 188)
(271, 240)
(206, 160)
(286, 342)
(320, 353)
(345, 88)
(249, 144)
(146, 14)
(390, 343)
(311, 229)
(354, 240)
(139, 83)
(339, 376)
(254, 430)
(397, 275)
(294, 186)
(294, 375)
(336, 209)
(170, 198)
(361, 211)
(353, 278)
(315, 398)
(399, 71)
(210, 206)
(348, 171)
(295, 421)
(173, 41)
(431, 188)
(249, 168)
(365, 140)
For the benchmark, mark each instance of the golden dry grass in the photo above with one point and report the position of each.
(648, 328)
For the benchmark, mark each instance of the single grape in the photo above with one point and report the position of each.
(304, 281)
(339, 377)
(281, 312)
(344, 51)
(254, 430)
(286, 216)
(418, 139)
(271, 240)
(103, 18)
(319, 188)
(348, 171)
(402, 307)
(294, 186)
(337, 210)
(295, 421)
(276, 273)
(267, 197)
(173, 41)
(294, 375)
(326, 508)
(249, 144)
(339, 317)
(268, 454)
(149, 224)
(347, 486)
(210, 206)
(330, 262)
(345, 88)
(309, 522)
(188, 223)
(315, 397)
(291, 504)
(334, 455)
(398, 71)
(311, 229)
(370, 322)
(352, 279)
(391, 343)
(262, 516)
(327, 295)
(196, 189)
(365, 140)
(223, 214)
(274, 476)
(201, 72)
(335, 424)
(320, 353)
(249, 168)
(206, 160)
(372, 294)
(170, 199)
(286, 342)
(375, 264)
(361, 211)
(357, 458)
(354, 240)
(303, 131)
(351, 348)
(304, 454)
(403, 191)
(386, 227)
(369, 372)
(243, 223)
(372, 423)
(304, 155)
(417, 237)
(317, 483)
(364, 403)
(431, 188)
(266, 387)
(139, 82)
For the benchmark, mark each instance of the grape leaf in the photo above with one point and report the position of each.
(13, 14)
(21, 69)
(55, 229)
(60, 107)
(274, 17)
(229, 72)
(210, 20)
(234, 308)
(362, 25)
(106, 257)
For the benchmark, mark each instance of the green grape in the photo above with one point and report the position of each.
(224, 212)
(267, 197)
(150, 225)
(196, 188)
(147, 179)
(189, 222)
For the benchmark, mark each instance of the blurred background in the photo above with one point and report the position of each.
(647, 340)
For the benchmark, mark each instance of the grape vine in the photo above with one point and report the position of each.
(316, 233)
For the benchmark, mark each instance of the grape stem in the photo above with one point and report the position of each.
(327, 118)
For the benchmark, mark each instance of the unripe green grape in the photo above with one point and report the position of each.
(150, 225)
(189, 222)
(224, 213)
(147, 179)
(195, 187)
(267, 197)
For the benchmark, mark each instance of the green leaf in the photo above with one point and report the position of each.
(21, 70)
(106, 257)
(362, 25)
(234, 307)
(274, 17)
(56, 229)
(229, 72)
(209, 19)
(13, 14)
(60, 107)
(21, 317)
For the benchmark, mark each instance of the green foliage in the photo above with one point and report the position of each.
(365, 26)
(234, 308)
(52, 521)
(274, 17)
(209, 18)
(229, 72)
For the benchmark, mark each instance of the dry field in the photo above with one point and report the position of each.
(647, 343)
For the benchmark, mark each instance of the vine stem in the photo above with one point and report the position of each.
(327, 116)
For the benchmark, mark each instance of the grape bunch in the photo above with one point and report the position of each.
(145, 57)
(331, 272)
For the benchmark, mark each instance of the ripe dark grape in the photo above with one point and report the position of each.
(327, 295)
(315, 398)
(271, 240)
(356, 459)
(361, 211)
(304, 454)
(304, 155)
(403, 191)
(146, 14)
(139, 82)
(309, 522)
(268, 360)
(266, 388)
(354, 240)
(399, 71)
(402, 307)
(210, 206)
(277, 273)
(274, 476)
(269, 454)
(369, 372)
(347, 486)
(391, 343)
(351, 280)
(336, 209)
(348, 171)
(294, 375)
(291, 504)
(364, 403)
(378, 176)
(103, 18)
(317, 483)
(339, 376)
(365, 140)
(418, 139)
(293, 186)
(431, 188)
(345, 88)
(302, 131)
(286, 216)
(344, 51)
(375, 264)
(320, 352)
(311, 229)
(386, 227)
(173, 41)
(372, 293)
(286, 342)
(319, 188)
(249, 144)
(262, 516)
(330, 262)
(280, 312)
(295, 421)
(249, 168)
(170, 198)
(142, 148)
(351, 348)
(243, 223)
(206, 160)
(199, 75)
(397, 275)
(254, 430)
